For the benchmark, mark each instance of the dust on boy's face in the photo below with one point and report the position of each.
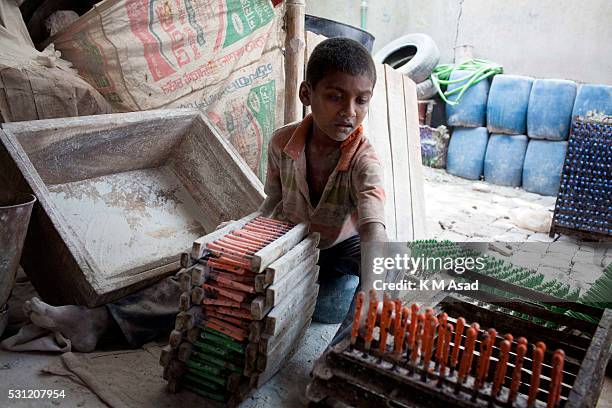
(339, 103)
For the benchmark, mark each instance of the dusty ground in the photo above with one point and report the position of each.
(457, 209)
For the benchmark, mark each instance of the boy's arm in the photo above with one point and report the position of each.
(370, 196)
(370, 232)
(272, 187)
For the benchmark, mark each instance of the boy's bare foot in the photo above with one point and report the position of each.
(81, 325)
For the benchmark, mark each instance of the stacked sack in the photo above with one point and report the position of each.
(527, 126)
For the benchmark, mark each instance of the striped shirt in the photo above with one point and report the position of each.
(353, 195)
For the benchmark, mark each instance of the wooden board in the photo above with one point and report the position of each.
(377, 131)
(199, 245)
(276, 293)
(282, 266)
(282, 353)
(307, 306)
(399, 154)
(276, 249)
(284, 313)
(294, 57)
(415, 166)
(392, 128)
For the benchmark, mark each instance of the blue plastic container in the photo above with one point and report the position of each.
(503, 163)
(593, 97)
(549, 113)
(466, 152)
(471, 110)
(507, 104)
(543, 165)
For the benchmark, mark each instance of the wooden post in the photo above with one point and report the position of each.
(294, 58)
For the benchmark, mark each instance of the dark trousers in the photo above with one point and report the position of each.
(343, 258)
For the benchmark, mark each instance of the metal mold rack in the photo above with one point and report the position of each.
(363, 379)
(584, 201)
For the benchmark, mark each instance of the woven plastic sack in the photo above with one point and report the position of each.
(221, 56)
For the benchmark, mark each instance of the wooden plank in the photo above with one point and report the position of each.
(286, 310)
(377, 131)
(274, 250)
(175, 339)
(186, 260)
(294, 57)
(255, 331)
(72, 149)
(259, 308)
(199, 245)
(185, 301)
(204, 153)
(268, 342)
(167, 355)
(198, 274)
(250, 361)
(279, 291)
(278, 269)
(589, 381)
(260, 283)
(415, 163)
(399, 156)
(281, 354)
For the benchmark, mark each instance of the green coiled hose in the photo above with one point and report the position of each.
(481, 69)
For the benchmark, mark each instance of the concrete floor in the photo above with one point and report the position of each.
(457, 209)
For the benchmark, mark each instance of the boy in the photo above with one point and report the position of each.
(321, 170)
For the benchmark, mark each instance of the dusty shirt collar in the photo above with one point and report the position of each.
(297, 142)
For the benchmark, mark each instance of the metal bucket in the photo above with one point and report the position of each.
(15, 211)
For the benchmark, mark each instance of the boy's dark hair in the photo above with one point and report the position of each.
(339, 54)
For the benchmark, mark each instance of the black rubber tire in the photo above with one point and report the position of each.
(413, 55)
(425, 90)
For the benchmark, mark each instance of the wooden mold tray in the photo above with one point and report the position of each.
(120, 197)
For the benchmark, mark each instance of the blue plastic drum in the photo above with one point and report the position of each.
(507, 104)
(503, 163)
(593, 97)
(471, 110)
(466, 152)
(549, 113)
(543, 165)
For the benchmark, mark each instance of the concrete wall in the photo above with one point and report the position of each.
(565, 39)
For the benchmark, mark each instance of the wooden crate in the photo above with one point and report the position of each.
(120, 197)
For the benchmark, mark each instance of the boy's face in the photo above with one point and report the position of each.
(339, 103)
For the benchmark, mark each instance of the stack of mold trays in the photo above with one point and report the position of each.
(243, 286)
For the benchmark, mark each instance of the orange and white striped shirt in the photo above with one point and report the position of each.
(353, 196)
